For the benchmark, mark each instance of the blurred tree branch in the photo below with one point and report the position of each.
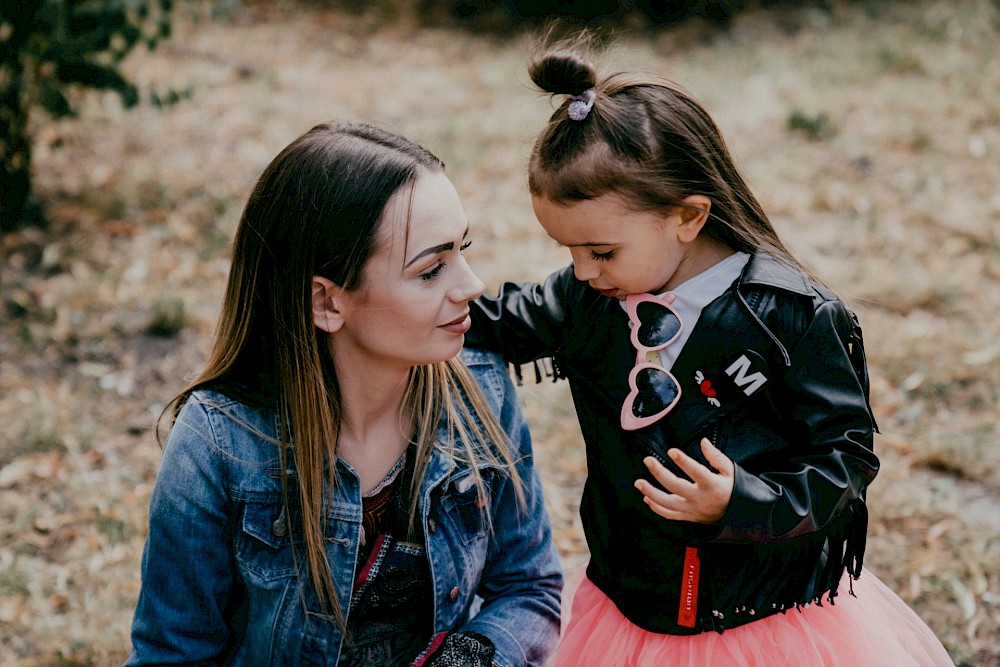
(48, 47)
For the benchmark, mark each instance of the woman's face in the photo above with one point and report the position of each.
(413, 304)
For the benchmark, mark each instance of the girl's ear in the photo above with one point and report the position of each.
(694, 215)
(325, 309)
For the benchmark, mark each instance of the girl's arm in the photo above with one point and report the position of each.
(525, 321)
(187, 577)
(829, 459)
(522, 581)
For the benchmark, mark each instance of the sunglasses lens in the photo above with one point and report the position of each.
(657, 391)
(657, 325)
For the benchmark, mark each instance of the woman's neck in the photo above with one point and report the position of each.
(374, 432)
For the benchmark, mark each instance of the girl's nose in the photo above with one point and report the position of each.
(585, 270)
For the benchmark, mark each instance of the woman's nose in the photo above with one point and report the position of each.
(469, 286)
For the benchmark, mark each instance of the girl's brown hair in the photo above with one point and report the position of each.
(646, 140)
(317, 210)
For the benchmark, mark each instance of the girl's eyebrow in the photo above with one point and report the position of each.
(435, 249)
(590, 244)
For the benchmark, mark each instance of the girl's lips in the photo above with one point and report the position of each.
(459, 326)
(608, 292)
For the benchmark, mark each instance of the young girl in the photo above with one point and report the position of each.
(338, 487)
(721, 390)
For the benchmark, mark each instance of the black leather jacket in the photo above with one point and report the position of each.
(800, 434)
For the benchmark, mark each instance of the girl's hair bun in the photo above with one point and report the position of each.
(562, 72)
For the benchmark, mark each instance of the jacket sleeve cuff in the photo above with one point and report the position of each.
(747, 515)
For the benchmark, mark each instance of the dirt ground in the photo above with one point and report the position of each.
(870, 131)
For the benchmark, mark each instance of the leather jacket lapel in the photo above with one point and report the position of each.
(727, 361)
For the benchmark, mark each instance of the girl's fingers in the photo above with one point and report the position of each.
(668, 505)
(698, 473)
(665, 512)
(655, 497)
(667, 479)
(703, 499)
(716, 458)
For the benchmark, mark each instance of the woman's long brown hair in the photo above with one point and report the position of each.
(317, 210)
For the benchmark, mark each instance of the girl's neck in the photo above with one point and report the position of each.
(704, 253)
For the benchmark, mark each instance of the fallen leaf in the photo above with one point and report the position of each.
(966, 600)
(982, 356)
(39, 465)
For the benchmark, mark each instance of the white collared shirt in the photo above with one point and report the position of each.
(697, 292)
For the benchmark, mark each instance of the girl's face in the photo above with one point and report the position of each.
(413, 305)
(620, 251)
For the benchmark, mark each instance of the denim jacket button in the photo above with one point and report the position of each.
(453, 595)
(278, 527)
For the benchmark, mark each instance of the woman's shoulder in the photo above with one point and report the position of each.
(230, 425)
(489, 370)
(223, 404)
(480, 360)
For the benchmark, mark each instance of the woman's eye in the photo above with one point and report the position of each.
(432, 274)
(465, 245)
(602, 256)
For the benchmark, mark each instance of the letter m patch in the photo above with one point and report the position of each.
(749, 382)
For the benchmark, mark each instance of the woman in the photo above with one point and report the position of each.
(337, 486)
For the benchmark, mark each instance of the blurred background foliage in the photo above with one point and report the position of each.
(870, 130)
(487, 15)
(48, 48)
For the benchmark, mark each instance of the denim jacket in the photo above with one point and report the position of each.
(219, 582)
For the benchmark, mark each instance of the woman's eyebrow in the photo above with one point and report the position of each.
(435, 249)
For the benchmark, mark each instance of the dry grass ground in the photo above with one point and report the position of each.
(872, 137)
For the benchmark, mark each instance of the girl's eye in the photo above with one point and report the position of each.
(433, 273)
(602, 256)
(465, 245)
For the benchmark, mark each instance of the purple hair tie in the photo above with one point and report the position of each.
(580, 105)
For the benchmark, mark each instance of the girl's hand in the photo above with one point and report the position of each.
(703, 499)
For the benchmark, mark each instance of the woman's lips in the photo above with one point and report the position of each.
(458, 326)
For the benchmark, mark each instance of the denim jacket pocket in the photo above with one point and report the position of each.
(263, 544)
(466, 506)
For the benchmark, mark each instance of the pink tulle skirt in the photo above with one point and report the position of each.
(874, 628)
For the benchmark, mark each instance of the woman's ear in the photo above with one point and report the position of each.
(325, 309)
(694, 215)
